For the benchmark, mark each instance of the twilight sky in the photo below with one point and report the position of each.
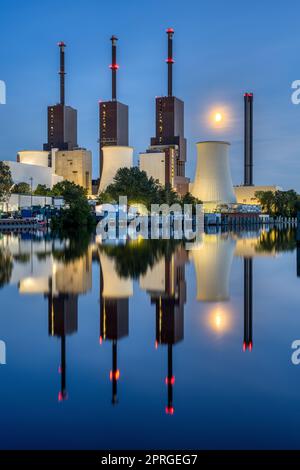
(221, 49)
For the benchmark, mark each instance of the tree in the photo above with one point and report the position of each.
(133, 183)
(68, 190)
(77, 212)
(21, 188)
(188, 198)
(279, 203)
(6, 182)
(266, 200)
(42, 190)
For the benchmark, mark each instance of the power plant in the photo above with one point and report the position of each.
(113, 115)
(62, 119)
(169, 143)
(164, 160)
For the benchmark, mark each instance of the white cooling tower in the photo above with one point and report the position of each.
(114, 157)
(213, 183)
(212, 260)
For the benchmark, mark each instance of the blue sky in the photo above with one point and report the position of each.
(221, 49)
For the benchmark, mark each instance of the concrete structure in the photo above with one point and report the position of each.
(76, 166)
(114, 157)
(23, 172)
(213, 183)
(154, 164)
(37, 157)
(113, 115)
(246, 194)
(248, 139)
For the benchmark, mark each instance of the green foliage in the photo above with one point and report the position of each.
(6, 266)
(135, 184)
(42, 190)
(77, 212)
(6, 182)
(21, 188)
(279, 203)
(133, 259)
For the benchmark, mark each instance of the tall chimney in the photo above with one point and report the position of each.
(170, 60)
(62, 73)
(114, 67)
(248, 140)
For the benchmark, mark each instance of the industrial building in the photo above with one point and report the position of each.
(168, 147)
(62, 119)
(246, 194)
(33, 174)
(76, 166)
(61, 158)
(213, 182)
(113, 115)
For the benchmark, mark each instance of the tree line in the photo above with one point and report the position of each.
(279, 203)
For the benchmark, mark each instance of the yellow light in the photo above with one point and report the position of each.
(219, 319)
(218, 117)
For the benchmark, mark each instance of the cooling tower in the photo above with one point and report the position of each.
(212, 260)
(114, 157)
(213, 183)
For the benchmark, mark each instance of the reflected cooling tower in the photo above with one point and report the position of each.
(213, 183)
(114, 158)
(212, 260)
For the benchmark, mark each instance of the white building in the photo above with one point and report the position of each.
(27, 173)
(154, 164)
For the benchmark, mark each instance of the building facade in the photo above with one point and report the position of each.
(75, 166)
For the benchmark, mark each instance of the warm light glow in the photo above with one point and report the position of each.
(218, 117)
(219, 319)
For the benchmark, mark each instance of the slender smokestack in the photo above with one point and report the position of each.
(248, 140)
(248, 303)
(62, 73)
(170, 60)
(114, 67)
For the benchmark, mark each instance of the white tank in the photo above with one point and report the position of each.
(213, 183)
(114, 157)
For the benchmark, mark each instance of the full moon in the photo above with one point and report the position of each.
(218, 117)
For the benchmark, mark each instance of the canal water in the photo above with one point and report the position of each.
(148, 345)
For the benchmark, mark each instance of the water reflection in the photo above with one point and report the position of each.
(62, 270)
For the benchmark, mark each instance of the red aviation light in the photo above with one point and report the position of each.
(248, 94)
(244, 346)
(170, 380)
(156, 344)
(170, 60)
(61, 44)
(114, 375)
(100, 340)
(170, 30)
(114, 66)
(250, 346)
(62, 396)
(170, 410)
